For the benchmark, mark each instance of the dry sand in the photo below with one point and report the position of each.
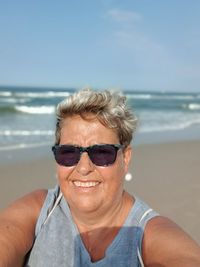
(166, 176)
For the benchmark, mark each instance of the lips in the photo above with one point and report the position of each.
(85, 184)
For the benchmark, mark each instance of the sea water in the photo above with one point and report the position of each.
(27, 115)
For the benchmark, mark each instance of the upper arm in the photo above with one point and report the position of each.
(165, 244)
(17, 227)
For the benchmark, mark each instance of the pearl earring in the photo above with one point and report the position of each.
(128, 177)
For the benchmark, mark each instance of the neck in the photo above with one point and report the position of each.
(111, 217)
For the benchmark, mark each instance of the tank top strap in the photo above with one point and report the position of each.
(51, 201)
(141, 214)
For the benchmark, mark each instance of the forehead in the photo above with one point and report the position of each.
(86, 131)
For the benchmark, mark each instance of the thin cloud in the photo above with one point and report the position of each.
(124, 15)
(137, 41)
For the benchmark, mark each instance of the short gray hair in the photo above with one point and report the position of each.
(110, 108)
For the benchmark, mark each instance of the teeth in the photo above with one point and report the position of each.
(85, 184)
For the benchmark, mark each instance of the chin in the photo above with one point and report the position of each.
(86, 205)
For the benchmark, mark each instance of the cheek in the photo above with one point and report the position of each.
(120, 168)
(63, 173)
(113, 175)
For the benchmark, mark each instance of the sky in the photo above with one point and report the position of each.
(127, 44)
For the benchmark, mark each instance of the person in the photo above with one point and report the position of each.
(88, 219)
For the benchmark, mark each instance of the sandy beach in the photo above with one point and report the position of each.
(166, 176)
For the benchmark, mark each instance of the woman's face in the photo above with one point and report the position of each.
(87, 187)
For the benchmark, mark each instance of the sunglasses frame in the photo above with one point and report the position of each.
(87, 149)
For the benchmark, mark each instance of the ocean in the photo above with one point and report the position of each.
(27, 115)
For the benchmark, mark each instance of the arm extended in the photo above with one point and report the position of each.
(17, 227)
(165, 244)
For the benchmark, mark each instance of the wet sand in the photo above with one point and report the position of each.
(166, 176)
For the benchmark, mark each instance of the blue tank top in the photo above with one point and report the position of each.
(58, 242)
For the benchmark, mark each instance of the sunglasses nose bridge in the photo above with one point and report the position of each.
(84, 149)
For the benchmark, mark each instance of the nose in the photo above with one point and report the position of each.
(85, 165)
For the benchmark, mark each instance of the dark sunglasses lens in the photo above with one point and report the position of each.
(103, 155)
(67, 155)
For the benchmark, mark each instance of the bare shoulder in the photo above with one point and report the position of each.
(17, 227)
(166, 244)
(29, 204)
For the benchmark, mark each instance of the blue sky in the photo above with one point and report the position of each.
(135, 44)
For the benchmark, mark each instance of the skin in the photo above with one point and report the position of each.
(17, 226)
(98, 211)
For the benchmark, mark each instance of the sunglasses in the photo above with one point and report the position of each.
(100, 155)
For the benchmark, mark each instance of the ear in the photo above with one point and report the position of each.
(127, 157)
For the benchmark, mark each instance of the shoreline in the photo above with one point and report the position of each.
(21, 152)
(165, 175)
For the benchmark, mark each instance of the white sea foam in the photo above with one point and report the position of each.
(160, 96)
(160, 121)
(26, 133)
(49, 94)
(13, 100)
(5, 93)
(179, 97)
(23, 145)
(162, 129)
(139, 96)
(36, 109)
(191, 106)
(168, 127)
(194, 106)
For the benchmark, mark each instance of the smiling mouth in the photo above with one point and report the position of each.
(85, 184)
